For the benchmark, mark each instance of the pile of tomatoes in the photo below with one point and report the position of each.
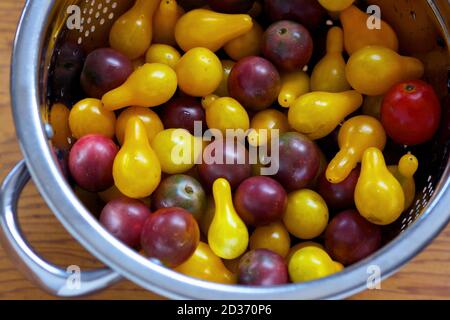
(336, 92)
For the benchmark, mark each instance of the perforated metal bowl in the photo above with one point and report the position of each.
(44, 43)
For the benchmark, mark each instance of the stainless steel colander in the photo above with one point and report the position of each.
(46, 51)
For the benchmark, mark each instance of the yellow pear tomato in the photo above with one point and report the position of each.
(317, 114)
(136, 169)
(355, 136)
(164, 21)
(151, 120)
(205, 265)
(357, 35)
(302, 245)
(227, 234)
(373, 70)
(379, 197)
(225, 113)
(310, 263)
(148, 86)
(132, 32)
(209, 29)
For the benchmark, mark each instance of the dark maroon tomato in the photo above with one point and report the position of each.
(182, 113)
(262, 267)
(231, 6)
(299, 161)
(350, 238)
(181, 191)
(323, 164)
(124, 218)
(65, 79)
(339, 196)
(288, 45)
(307, 12)
(224, 159)
(105, 69)
(170, 235)
(255, 83)
(91, 160)
(260, 200)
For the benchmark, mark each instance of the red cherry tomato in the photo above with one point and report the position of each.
(170, 235)
(125, 218)
(411, 112)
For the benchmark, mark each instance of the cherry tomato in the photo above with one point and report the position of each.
(59, 119)
(411, 112)
(262, 267)
(90, 117)
(170, 235)
(180, 191)
(205, 265)
(269, 120)
(249, 44)
(232, 164)
(302, 245)
(306, 215)
(90, 162)
(182, 113)
(124, 218)
(350, 238)
(260, 200)
(299, 161)
(105, 69)
(339, 196)
(273, 237)
(176, 150)
(162, 53)
(199, 72)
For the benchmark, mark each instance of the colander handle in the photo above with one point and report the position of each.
(54, 280)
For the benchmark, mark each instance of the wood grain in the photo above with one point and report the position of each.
(427, 276)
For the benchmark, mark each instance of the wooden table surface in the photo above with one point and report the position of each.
(425, 277)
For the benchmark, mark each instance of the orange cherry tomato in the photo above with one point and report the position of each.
(89, 117)
(59, 119)
(273, 237)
